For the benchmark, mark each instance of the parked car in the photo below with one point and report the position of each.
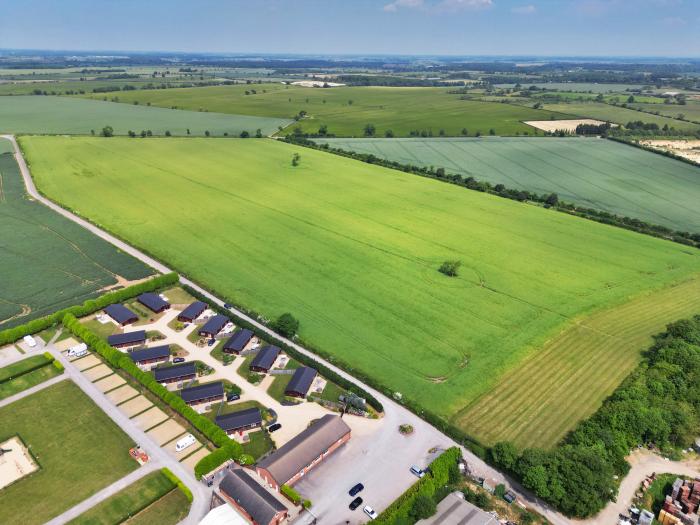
(355, 503)
(356, 489)
(274, 427)
(229, 306)
(211, 342)
(30, 341)
(179, 360)
(370, 512)
(509, 496)
(185, 442)
(417, 471)
(232, 396)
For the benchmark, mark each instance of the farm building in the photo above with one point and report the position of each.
(239, 421)
(264, 359)
(153, 302)
(301, 382)
(194, 310)
(173, 374)
(454, 510)
(128, 339)
(121, 314)
(304, 451)
(214, 325)
(147, 356)
(251, 499)
(238, 341)
(206, 393)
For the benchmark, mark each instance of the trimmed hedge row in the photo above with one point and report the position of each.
(117, 359)
(88, 307)
(298, 356)
(5, 377)
(438, 477)
(178, 483)
(291, 494)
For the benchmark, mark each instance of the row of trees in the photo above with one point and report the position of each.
(108, 131)
(657, 405)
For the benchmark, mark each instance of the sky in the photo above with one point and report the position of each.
(408, 27)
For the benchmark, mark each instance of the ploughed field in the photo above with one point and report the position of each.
(48, 262)
(353, 251)
(347, 110)
(79, 116)
(593, 173)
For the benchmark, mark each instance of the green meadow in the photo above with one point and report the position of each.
(353, 251)
(590, 172)
(347, 110)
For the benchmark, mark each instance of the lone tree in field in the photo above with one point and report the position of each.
(296, 159)
(287, 325)
(450, 268)
(258, 133)
(369, 130)
(244, 134)
(107, 131)
(552, 199)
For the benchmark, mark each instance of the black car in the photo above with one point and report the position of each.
(355, 503)
(229, 306)
(179, 360)
(232, 396)
(275, 426)
(357, 488)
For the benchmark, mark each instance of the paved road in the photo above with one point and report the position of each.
(32, 390)
(105, 493)
(395, 414)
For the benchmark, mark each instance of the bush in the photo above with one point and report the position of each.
(178, 483)
(58, 366)
(291, 494)
(423, 507)
(450, 268)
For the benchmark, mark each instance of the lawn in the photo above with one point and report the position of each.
(22, 367)
(28, 380)
(48, 262)
(260, 444)
(346, 110)
(353, 249)
(619, 115)
(168, 510)
(590, 172)
(128, 502)
(80, 451)
(80, 116)
(690, 110)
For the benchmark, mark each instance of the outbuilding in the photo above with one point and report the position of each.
(238, 341)
(128, 339)
(264, 359)
(175, 373)
(251, 499)
(239, 421)
(194, 310)
(214, 325)
(206, 393)
(293, 460)
(121, 314)
(147, 356)
(153, 302)
(301, 382)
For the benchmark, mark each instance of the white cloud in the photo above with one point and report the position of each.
(438, 6)
(396, 4)
(524, 9)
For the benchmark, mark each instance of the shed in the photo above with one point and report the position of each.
(301, 382)
(172, 374)
(128, 339)
(206, 393)
(153, 302)
(239, 421)
(194, 310)
(156, 354)
(214, 325)
(264, 359)
(121, 314)
(238, 341)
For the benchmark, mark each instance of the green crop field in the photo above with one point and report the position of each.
(619, 115)
(346, 110)
(79, 116)
(689, 111)
(47, 261)
(577, 86)
(591, 172)
(353, 250)
(79, 449)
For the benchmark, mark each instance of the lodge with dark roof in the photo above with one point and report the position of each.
(304, 451)
(128, 339)
(206, 393)
(264, 359)
(147, 356)
(238, 341)
(214, 325)
(121, 314)
(239, 421)
(175, 373)
(194, 310)
(251, 499)
(301, 382)
(153, 302)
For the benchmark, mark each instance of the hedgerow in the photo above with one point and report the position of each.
(178, 483)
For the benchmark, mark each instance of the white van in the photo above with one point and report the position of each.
(77, 350)
(185, 442)
(31, 342)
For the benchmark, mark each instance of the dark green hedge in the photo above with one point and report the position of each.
(178, 483)
(88, 307)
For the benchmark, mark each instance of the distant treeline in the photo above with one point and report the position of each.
(548, 200)
(390, 80)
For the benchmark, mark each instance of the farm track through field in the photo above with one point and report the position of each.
(533, 406)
